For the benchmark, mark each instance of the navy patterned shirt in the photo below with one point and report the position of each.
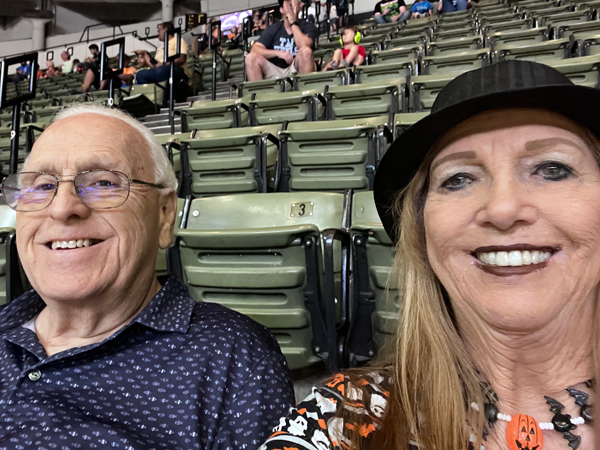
(181, 375)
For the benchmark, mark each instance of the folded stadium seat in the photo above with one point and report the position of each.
(583, 70)
(43, 102)
(589, 43)
(247, 88)
(419, 23)
(375, 311)
(512, 25)
(330, 156)
(551, 11)
(402, 41)
(456, 16)
(491, 12)
(366, 100)
(236, 58)
(578, 28)
(558, 20)
(212, 115)
(486, 20)
(397, 54)
(318, 80)
(456, 45)
(160, 267)
(262, 256)
(425, 88)
(413, 30)
(43, 116)
(143, 99)
(455, 63)
(300, 106)
(523, 37)
(456, 25)
(553, 49)
(226, 161)
(403, 121)
(453, 34)
(377, 73)
(535, 4)
(205, 67)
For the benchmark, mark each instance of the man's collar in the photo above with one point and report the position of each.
(170, 310)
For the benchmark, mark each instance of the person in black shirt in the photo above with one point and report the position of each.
(387, 11)
(284, 48)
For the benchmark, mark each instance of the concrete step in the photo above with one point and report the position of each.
(165, 129)
(161, 122)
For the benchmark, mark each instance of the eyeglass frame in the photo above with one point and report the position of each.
(58, 177)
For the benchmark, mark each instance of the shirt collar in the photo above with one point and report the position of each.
(170, 310)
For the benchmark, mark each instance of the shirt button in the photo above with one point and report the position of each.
(35, 375)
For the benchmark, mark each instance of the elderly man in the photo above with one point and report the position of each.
(284, 48)
(99, 354)
(67, 65)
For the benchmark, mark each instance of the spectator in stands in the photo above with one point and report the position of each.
(91, 67)
(101, 354)
(388, 11)
(488, 201)
(285, 48)
(77, 66)
(351, 54)
(159, 71)
(51, 70)
(128, 75)
(445, 6)
(67, 65)
(421, 8)
(341, 9)
(259, 22)
(200, 45)
(233, 33)
(22, 72)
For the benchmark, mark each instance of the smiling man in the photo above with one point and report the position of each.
(100, 354)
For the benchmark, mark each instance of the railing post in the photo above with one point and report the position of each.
(171, 59)
(214, 48)
(104, 65)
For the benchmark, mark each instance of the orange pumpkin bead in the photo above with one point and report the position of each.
(524, 433)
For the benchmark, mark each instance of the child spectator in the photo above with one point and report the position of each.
(51, 70)
(351, 54)
(128, 75)
(421, 8)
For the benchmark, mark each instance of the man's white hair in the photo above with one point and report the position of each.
(164, 173)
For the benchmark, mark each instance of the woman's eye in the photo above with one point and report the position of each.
(456, 182)
(553, 171)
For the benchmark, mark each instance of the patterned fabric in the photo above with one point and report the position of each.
(181, 375)
(314, 424)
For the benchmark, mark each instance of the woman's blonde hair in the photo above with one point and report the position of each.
(433, 378)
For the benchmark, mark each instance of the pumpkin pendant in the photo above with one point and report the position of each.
(524, 433)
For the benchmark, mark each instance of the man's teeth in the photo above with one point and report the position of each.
(71, 244)
(514, 258)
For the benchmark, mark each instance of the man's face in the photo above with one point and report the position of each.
(94, 51)
(161, 33)
(64, 56)
(125, 239)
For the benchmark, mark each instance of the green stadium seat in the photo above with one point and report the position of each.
(397, 54)
(500, 10)
(553, 49)
(521, 37)
(299, 106)
(583, 71)
(589, 43)
(457, 25)
(376, 312)
(455, 45)
(491, 19)
(512, 25)
(366, 100)
(425, 88)
(558, 20)
(578, 28)
(551, 11)
(266, 261)
(455, 63)
(143, 99)
(405, 120)
(402, 41)
(248, 88)
(212, 115)
(323, 56)
(377, 73)
(330, 156)
(236, 58)
(456, 16)
(453, 34)
(225, 161)
(318, 80)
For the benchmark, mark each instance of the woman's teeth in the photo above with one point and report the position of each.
(71, 244)
(514, 258)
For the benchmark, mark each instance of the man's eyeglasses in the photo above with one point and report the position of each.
(98, 189)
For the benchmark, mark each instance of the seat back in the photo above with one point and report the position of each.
(225, 161)
(376, 312)
(522, 37)
(329, 156)
(425, 89)
(404, 121)
(211, 115)
(539, 52)
(397, 54)
(582, 71)
(275, 108)
(457, 45)
(365, 100)
(248, 88)
(318, 80)
(261, 255)
(381, 73)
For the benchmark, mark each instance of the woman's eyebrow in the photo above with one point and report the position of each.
(457, 155)
(540, 144)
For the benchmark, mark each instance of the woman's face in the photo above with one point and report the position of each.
(512, 218)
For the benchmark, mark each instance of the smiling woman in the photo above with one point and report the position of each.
(493, 203)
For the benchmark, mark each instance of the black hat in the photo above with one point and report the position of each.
(508, 84)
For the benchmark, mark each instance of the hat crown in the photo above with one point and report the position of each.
(505, 76)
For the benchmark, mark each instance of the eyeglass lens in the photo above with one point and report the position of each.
(33, 191)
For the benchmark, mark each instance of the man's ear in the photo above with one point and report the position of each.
(166, 219)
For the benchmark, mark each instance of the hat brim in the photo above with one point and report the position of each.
(407, 152)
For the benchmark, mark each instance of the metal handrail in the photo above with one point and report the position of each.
(86, 30)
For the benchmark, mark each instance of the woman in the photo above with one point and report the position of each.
(493, 203)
